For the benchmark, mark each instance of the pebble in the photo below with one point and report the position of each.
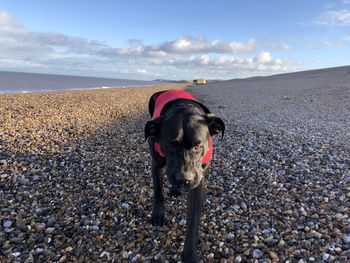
(125, 205)
(7, 223)
(257, 253)
(210, 256)
(346, 239)
(95, 228)
(230, 236)
(40, 227)
(182, 222)
(49, 230)
(15, 254)
(4, 176)
(125, 255)
(326, 257)
(274, 257)
(36, 178)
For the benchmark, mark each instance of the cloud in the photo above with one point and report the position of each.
(184, 45)
(191, 45)
(333, 44)
(283, 47)
(21, 48)
(333, 18)
(262, 62)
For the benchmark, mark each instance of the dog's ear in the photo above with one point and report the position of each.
(152, 128)
(215, 125)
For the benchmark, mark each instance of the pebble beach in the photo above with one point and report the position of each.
(75, 182)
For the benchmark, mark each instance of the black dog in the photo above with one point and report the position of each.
(179, 136)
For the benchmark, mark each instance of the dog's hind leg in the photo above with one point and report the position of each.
(195, 201)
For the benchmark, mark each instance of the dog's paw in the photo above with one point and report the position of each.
(174, 191)
(158, 220)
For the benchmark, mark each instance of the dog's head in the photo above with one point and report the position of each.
(184, 140)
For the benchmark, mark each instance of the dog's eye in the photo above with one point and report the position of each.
(197, 147)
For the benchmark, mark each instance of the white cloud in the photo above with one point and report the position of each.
(333, 44)
(21, 48)
(141, 71)
(263, 57)
(333, 18)
(262, 62)
(187, 45)
(190, 45)
(283, 47)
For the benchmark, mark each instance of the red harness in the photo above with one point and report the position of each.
(161, 99)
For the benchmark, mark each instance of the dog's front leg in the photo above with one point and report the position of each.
(195, 202)
(158, 214)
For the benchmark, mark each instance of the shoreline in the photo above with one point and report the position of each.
(82, 89)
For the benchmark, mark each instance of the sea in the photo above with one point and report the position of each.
(19, 82)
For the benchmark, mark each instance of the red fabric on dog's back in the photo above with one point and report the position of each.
(161, 99)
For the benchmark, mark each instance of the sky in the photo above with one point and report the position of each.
(156, 39)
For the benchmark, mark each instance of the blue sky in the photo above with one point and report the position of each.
(173, 39)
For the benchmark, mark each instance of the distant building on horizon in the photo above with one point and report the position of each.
(199, 81)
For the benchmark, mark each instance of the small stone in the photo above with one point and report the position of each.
(29, 259)
(125, 205)
(95, 228)
(210, 256)
(346, 239)
(67, 250)
(274, 257)
(230, 236)
(49, 230)
(62, 259)
(125, 255)
(306, 244)
(288, 212)
(15, 254)
(338, 250)
(325, 256)
(257, 253)
(134, 259)
(238, 259)
(51, 221)
(40, 227)
(281, 243)
(104, 253)
(7, 223)
(182, 222)
(39, 250)
(36, 178)
(3, 176)
(158, 256)
(3, 163)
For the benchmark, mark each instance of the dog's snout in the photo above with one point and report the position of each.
(183, 182)
(184, 179)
